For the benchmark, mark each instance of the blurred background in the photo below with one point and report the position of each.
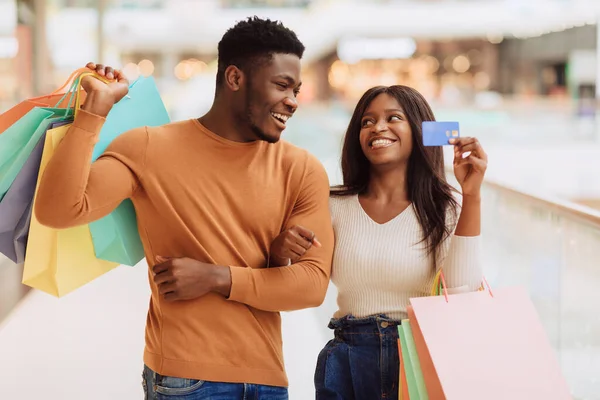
(522, 76)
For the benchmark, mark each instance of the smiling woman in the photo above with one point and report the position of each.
(395, 224)
(385, 133)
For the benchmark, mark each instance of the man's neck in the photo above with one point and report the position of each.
(221, 121)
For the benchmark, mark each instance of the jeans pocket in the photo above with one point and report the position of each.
(171, 386)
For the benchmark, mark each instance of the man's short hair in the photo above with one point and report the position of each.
(253, 42)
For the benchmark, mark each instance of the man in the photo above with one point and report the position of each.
(210, 195)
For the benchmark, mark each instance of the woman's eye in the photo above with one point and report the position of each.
(396, 117)
(367, 122)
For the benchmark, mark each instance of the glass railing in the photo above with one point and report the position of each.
(553, 249)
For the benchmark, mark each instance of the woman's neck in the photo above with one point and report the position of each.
(388, 185)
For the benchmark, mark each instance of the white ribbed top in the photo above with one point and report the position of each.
(377, 268)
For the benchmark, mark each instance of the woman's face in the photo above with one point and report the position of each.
(385, 135)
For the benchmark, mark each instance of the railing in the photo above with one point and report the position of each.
(551, 247)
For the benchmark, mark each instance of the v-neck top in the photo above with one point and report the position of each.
(377, 268)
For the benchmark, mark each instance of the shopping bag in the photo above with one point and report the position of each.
(18, 141)
(14, 223)
(430, 378)
(485, 344)
(402, 383)
(60, 261)
(412, 368)
(115, 236)
(21, 234)
(55, 99)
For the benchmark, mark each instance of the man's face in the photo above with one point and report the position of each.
(270, 96)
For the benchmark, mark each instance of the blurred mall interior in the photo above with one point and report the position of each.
(521, 75)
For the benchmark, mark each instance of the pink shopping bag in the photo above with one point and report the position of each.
(484, 345)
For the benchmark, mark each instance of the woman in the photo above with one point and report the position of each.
(396, 223)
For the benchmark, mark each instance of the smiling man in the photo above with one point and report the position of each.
(211, 194)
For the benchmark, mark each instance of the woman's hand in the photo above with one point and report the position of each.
(470, 164)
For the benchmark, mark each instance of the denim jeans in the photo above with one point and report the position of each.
(361, 362)
(159, 387)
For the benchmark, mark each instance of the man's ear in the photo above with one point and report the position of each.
(234, 78)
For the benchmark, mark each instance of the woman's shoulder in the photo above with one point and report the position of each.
(339, 199)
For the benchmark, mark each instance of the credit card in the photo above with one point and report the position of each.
(439, 133)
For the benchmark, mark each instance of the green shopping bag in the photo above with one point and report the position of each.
(19, 140)
(412, 366)
(115, 236)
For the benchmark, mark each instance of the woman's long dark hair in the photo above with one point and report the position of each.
(428, 190)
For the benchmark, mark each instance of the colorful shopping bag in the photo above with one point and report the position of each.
(16, 205)
(60, 261)
(115, 236)
(18, 141)
(485, 344)
(55, 99)
(412, 366)
(430, 378)
(402, 382)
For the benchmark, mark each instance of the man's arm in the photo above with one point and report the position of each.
(73, 191)
(304, 283)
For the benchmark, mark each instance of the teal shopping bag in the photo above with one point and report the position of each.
(115, 236)
(19, 140)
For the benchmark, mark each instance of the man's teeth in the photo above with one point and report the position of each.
(281, 117)
(381, 142)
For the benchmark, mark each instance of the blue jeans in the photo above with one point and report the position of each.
(159, 387)
(361, 362)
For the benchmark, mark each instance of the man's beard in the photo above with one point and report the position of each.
(249, 106)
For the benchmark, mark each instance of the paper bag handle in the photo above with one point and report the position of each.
(79, 87)
(70, 80)
(440, 280)
(64, 86)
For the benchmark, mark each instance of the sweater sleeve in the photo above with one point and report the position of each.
(73, 190)
(460, 259)
(304, 283)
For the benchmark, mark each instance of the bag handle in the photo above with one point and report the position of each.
(439, 285)
(68, 84)
(79, 87)
(70, 80)
(75, 90)
(70, 92)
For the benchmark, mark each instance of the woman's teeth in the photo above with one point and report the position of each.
(381, 143)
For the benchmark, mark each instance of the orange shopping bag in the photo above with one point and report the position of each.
(484, 345)
(54, 99)
(402, 384)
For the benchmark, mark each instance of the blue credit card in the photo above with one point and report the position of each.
(439, 133)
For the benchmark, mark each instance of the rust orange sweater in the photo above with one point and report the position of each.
(201, 196)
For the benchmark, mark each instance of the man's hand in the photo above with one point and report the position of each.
(102, 96)
(187, 279)
(290, 245)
